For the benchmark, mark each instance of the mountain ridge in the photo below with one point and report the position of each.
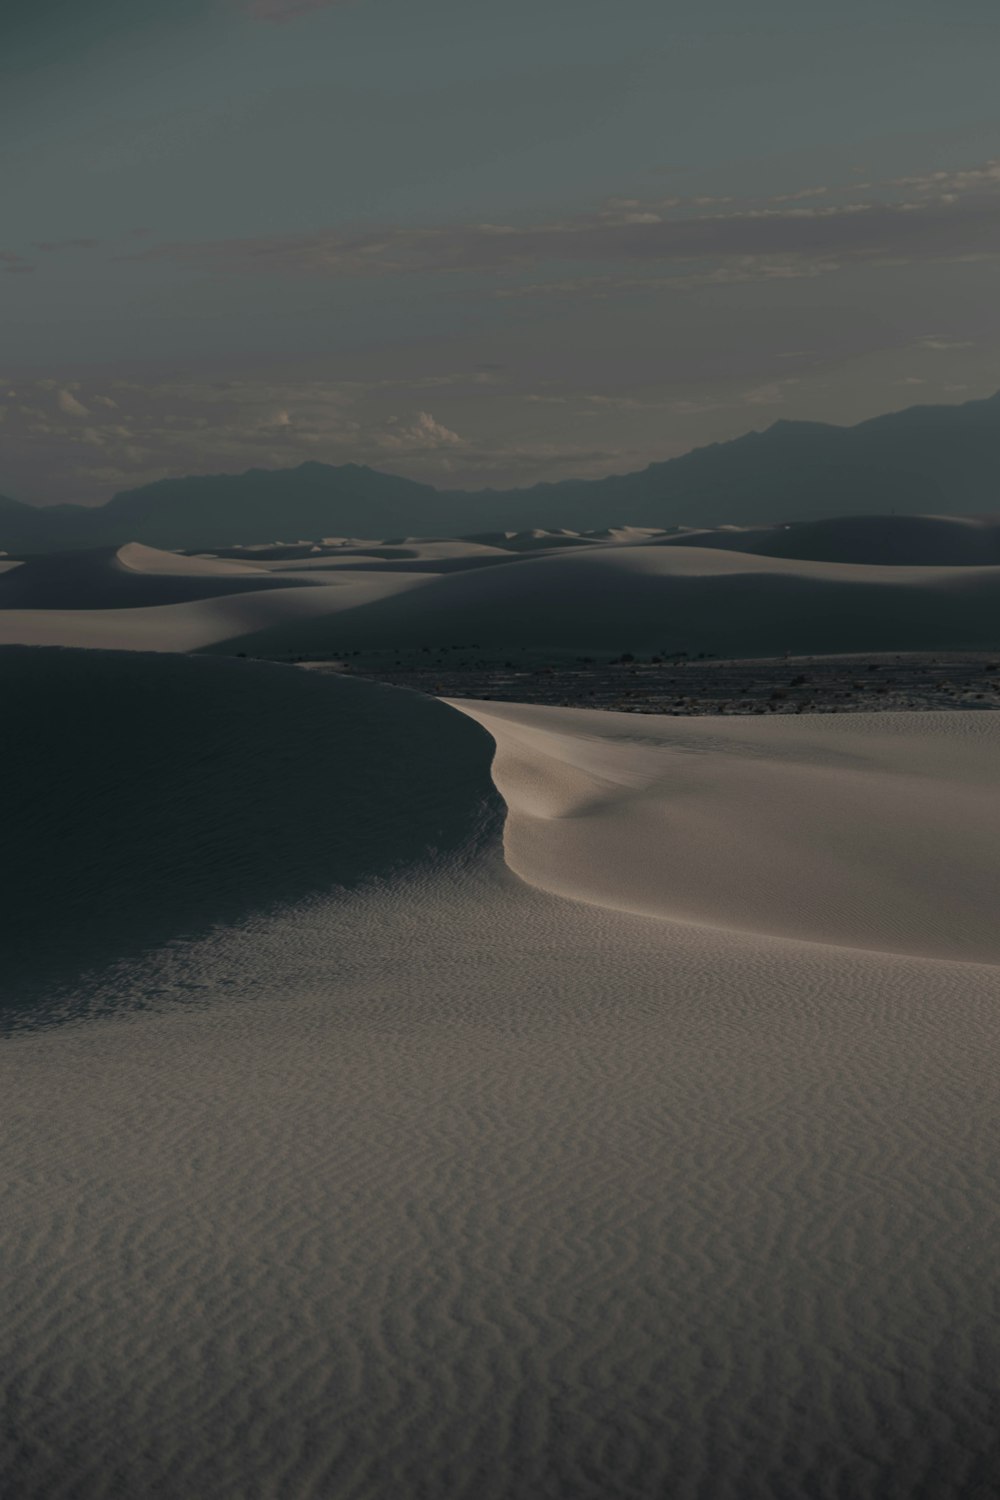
(921, 459)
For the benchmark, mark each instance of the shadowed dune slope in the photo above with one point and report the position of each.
(125, 578)
(916, 541)
(208, 617)
(670, 598)
(630, 591)
(149, 796)
(441, 555)
(137, 558)
(873, 831)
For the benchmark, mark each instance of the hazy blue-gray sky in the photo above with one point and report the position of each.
(482, 244)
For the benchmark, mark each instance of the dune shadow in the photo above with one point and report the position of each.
(151, 797)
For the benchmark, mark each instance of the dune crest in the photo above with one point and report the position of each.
(138, 558)
(867, 831)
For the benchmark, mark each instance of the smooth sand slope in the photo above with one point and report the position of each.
(652, 598)
(410, 555)
(123, 578)
(626, 590)
(871, 830)
(139, 599)
(934, 541)
(447, 1185)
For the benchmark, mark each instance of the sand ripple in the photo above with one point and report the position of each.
(457, 1188)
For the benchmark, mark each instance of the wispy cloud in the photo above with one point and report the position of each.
(772, 393)
(423, 434)
(74, 244)
(69, 405)
(810, 192)
(737, 272)
(940, 342)
(958, 180)
(941, 216)
(99, 437)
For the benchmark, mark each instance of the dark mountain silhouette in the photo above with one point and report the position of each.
(31, 528)
(924, 460)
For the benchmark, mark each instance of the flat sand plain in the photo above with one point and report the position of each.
(634, 1136)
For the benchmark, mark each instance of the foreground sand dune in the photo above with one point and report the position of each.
(871, 830)
(161, 795)
(445, 1184)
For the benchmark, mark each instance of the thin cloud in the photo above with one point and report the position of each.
(67, 402)
(423, 434)
(789, 239)
(622, 403)
(738, 272)
(772, 393)
(90, 443)
(74, 244)
(962, 180)
(810, 192)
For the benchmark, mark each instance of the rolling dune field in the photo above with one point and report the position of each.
(844, 586)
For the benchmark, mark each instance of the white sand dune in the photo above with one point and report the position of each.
(409, 555)
(631, 536)
(871, 830)
(154, 561)
(629, 591)
(450, 1185)
(212, 616)
(536, 539)
(121, 578)
(651, 598)
(936, 541)
(427, 553)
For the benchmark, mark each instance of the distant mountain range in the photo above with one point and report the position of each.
(924, 460)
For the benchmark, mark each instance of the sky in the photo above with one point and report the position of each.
(482, 245)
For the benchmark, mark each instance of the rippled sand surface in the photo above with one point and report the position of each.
(453, 1186)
